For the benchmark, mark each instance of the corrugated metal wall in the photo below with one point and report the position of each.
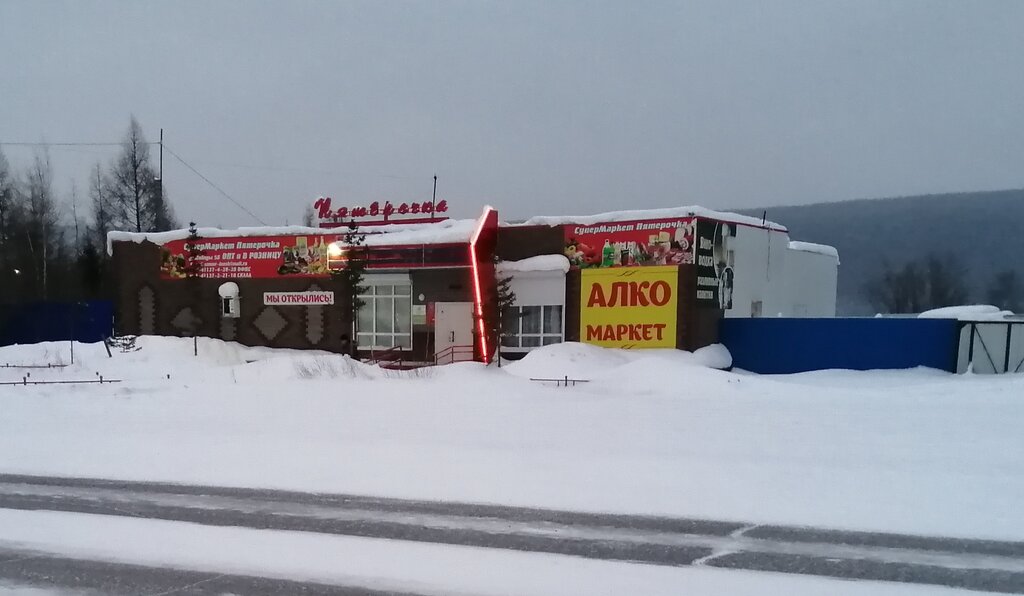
(783, 345)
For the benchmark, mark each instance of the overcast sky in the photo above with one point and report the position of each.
(535, 107)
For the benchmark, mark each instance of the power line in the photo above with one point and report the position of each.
(45, 144)
(210, 182)
(270, 168)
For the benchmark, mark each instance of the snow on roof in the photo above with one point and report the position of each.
(821, 249)
(442, 232)
(538, 263)
(971, 312)
(641, 214)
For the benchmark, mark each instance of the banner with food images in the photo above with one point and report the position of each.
(630, 243)
(245, 257)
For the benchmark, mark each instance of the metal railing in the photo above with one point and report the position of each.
(391, 357)
(563, 382)
(993, 347)
(25, 381)
(453, 354)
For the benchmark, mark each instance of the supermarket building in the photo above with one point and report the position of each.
(659, 278)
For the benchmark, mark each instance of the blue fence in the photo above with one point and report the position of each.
(777, 346)
(89, 321)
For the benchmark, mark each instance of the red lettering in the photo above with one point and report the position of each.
(647, 332)
(636, 293)
(620, 294)
(660, 328)
(634, 332)
(620, 330)
(323, 207)
(596, 296)
(594, 332)
(660, 293)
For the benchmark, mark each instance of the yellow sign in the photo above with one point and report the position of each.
(629, 307)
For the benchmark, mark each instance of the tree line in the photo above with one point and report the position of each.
(52, 248)
(936, 281)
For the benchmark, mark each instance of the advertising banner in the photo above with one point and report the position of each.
(631, 307)
(298, 298)
(296, 256)
(630, 243)
(715, 263)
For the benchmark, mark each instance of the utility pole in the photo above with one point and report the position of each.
(160, 188)
(433, 199)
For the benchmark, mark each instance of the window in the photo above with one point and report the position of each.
(533, 326)
(385, 318)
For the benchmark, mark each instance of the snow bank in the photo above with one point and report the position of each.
(586, 362)
(821, 249)
(974, 312)
(538, 263)
(442, 232)
(655, 431)
(166, 358)
(639, 214)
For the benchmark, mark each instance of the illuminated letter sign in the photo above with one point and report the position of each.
(384, 213)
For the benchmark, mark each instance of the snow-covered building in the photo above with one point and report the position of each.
(654, 278)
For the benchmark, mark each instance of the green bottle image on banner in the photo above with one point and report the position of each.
(607, 254)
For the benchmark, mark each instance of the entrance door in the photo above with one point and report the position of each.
(453, 331)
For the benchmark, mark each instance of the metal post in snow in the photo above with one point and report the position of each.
(970, 350)
(1006, 358)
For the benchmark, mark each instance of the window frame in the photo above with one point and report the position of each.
(541, 336)
(370, 299)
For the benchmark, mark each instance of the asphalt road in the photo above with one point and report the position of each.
(974, 564)
(78, 577)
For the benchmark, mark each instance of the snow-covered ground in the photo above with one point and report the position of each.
(658, 432)
(397, 565)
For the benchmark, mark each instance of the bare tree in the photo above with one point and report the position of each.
(9, 266)
(102, 210)
(42, 235)
(1005, 291)
(134, 193)
(307, 216)
(933, 282)
(6, 202)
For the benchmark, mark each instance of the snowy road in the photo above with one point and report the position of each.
(66, 576)
(972, 564)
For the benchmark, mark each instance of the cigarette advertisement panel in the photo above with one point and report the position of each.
(715, 261)
(631, 243)
(629, 307)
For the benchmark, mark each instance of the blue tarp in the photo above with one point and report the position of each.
(88, 321)
(777, 346)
